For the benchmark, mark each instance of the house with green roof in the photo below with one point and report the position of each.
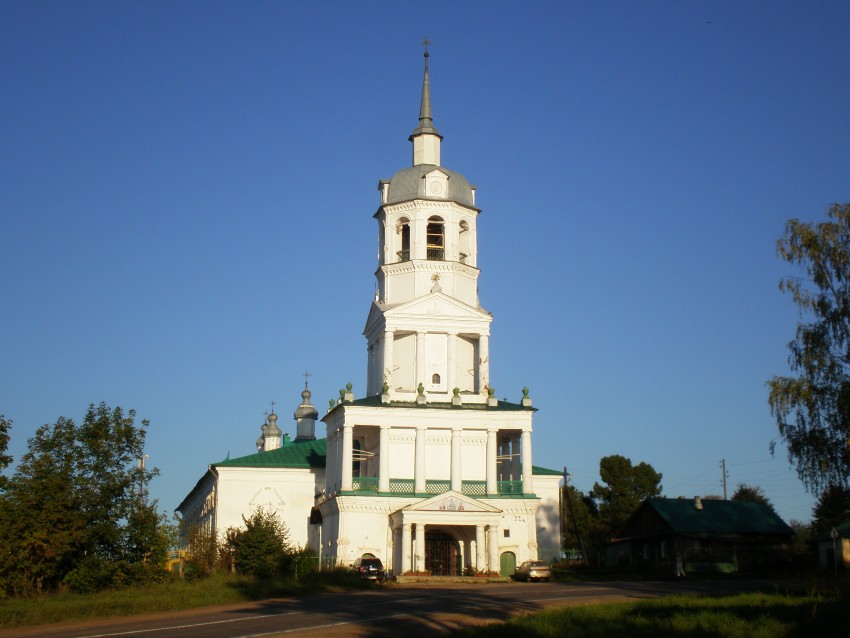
(710, 535)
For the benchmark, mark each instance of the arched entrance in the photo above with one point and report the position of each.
(507, 564)
(442, 554)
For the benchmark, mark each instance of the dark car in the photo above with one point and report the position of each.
(369, 568)
(533, 570)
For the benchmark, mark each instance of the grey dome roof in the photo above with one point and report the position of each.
(409, 183)
(272, 430)
(306, 409)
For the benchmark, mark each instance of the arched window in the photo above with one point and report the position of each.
(435, 379)
(435, 239)
(403, 229)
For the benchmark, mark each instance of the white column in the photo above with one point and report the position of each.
(370, 376)
(384, 460)
(492, 448)
(516, 458)
(332, 477)
(464, 560)
(451, 358)
(494, 548)
(420, 360)
(417, 240)
(405, 547)
(484, 363)
(527, 475)
(419, 465)
(479, 548)
(456, 454)
(387, 363)
(347, 449)
(420, 548)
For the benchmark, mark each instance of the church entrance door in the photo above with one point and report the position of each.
(441, 554)
(507, 564)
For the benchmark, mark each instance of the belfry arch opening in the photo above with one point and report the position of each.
(403, 231)
(435, 241)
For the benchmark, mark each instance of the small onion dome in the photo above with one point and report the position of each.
(272, 429)
(306, 409)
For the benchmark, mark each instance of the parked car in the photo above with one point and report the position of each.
(369, 568)
(533, 570)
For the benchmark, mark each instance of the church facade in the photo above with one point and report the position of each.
(429, 471)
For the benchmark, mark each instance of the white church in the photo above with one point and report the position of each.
(429, 471)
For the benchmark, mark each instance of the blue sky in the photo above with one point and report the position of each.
(187, 190)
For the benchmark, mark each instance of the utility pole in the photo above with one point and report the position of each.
(142, 478)
(723, 468)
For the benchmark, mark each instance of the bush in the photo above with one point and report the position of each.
(262, 548)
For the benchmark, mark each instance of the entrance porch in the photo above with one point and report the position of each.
(447, 535)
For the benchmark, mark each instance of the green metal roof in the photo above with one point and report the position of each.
(376, 402)
(544, 471)
(718, 517)
(296, 454)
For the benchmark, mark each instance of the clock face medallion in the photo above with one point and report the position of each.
(436, 188)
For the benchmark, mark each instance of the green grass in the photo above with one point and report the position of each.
(741, 616)
(173, 595)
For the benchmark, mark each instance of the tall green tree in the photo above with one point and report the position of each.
(5, 459)
(75, 511)
(832, 509)
(812, 409)
(578, 519)
(753, 493)
(43, 524)
(624, 487)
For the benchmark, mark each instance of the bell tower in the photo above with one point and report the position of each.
(426, 331)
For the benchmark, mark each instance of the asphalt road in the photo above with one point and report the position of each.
(407, 610)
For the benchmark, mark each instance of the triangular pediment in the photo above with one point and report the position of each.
(376, 312)
(452, 502)
(437, 304)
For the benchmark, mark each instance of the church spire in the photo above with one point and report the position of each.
(425, 138)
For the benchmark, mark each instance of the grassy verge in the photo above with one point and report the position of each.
(173, 595)
(741, 616)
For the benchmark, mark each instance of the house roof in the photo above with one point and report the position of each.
(715, 517)
(544, 471)
(296, 454)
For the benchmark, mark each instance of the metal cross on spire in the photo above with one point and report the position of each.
(272, 403)
(307, 376)
(426, 43)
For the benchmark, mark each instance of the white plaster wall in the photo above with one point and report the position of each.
(404, 353)
(367, 533)
(402, 453)
(467, 363)
(474, 456)
(438, 455)
(547, 488)
(290, 492)
(436, 358)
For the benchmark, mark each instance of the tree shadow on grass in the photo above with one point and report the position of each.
(791, 618)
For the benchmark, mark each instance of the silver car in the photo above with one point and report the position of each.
(533, 570)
